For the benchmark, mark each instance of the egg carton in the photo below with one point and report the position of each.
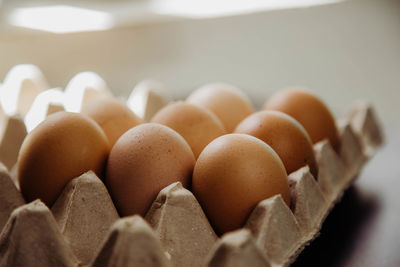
(26, 99)
(83, 227)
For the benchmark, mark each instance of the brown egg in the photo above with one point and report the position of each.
(197, 125)
(310, 111)
(227, 102)
(143, 161)
(232, 175)
(285, 135)
(112, 115)
(62, 147)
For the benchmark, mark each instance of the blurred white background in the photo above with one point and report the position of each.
(342, 50)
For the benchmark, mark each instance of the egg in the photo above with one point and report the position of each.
(112, 115)
(60, 148)
(197, 125)
(309, 110)
(143, 161)
(227, 102)
(232, 175)
(285, 135)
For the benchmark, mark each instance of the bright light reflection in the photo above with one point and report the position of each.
(21, 85)
(40, 107)
(82, 88)
(61, 19)
(216, 8)
(138, 98)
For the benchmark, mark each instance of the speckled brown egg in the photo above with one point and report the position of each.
(112, 115)
(197, 125)
(227, 102)
(309, 110)
(232, 175)
(143, 161)
(285, 135)
(62, 147)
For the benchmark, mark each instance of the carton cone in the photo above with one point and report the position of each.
(181, 225)
(367, 126)
(31, 238)
(10, 197)
(12, 134)
(308, 202)
(351, 151)
(131, 242)
(275, 229)
(237, 249)
(332, 171)
(85, 212)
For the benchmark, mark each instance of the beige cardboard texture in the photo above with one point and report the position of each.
(10, 197)
(131, 242)
(11, 138)
(53, 108)
(31, 238)
(237, 249)
(178, 233)
(147, 98)
(308, 202)
(367, 126)
(351, 151)
(85, 212)
(275, 229)
(332, 171)
(181, 225)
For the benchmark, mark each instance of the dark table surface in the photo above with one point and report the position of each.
(364, 228)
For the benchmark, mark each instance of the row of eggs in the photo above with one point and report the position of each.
(214, 143)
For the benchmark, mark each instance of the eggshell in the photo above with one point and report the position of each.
(112, 115)
(144, 160)
(285, 135)
(197, 125)
(227, 102)
(62, 147)
(233, 174)
(309, 110)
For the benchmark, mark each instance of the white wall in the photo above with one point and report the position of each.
(342, 51)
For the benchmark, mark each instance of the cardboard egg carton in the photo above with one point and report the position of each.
(25, 92)
(83, 227)
(20, 87)
(26, 100)
(12, 134)
(22, 84)
(146, 98)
